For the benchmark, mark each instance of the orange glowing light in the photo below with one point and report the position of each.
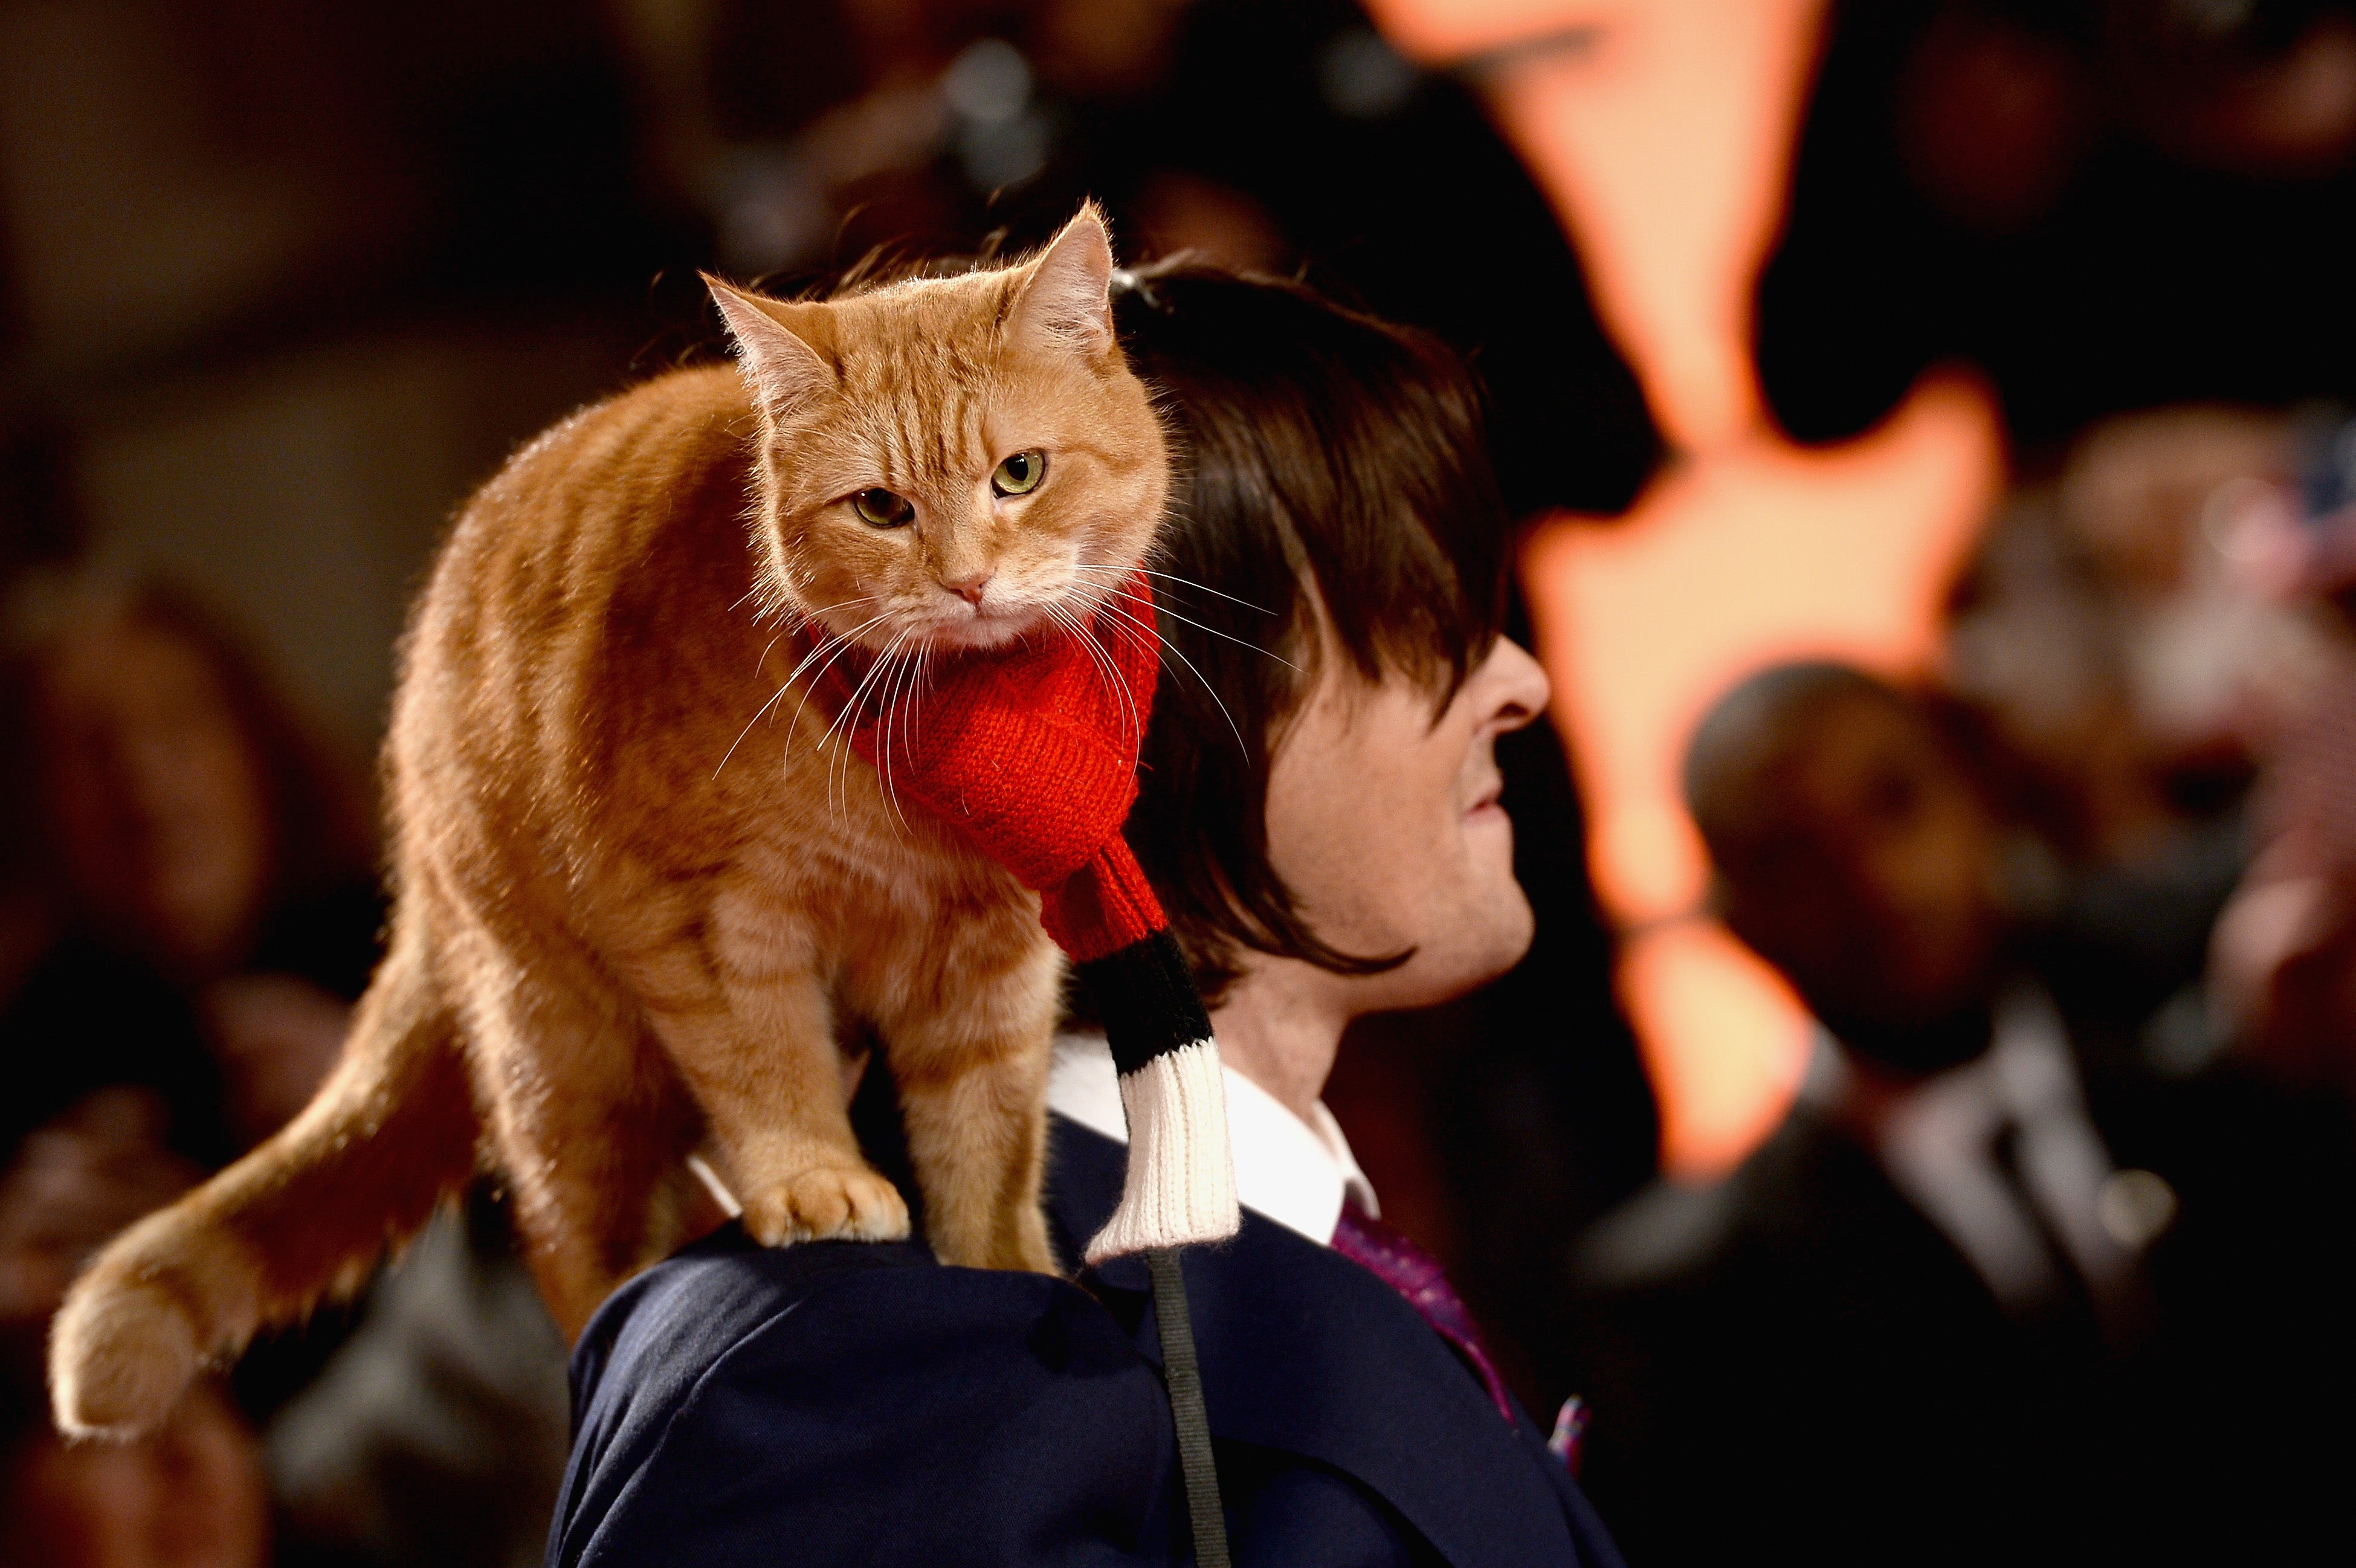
(1662, 133)
(1759, 552)
(1725, 1041)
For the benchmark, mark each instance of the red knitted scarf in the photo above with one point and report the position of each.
(1029, 752)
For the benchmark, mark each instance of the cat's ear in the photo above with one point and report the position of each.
(1066, 302)
(777, 364)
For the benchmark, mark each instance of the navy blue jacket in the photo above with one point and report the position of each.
(1346, 1430)
(848, 1403)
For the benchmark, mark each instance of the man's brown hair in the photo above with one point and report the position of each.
(1334, 497)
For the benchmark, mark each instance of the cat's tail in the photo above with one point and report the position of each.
(302, 1217)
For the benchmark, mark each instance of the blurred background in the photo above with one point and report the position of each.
(1924, 1126)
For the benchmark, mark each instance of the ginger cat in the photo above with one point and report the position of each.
(635, 892)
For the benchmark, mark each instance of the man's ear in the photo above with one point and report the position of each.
(1066, 301)
(777, 364)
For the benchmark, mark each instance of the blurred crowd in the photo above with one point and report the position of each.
(191, 907)
(2055, 1252)
(2053, 1256)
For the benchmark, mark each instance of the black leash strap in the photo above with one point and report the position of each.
(1185, 1378)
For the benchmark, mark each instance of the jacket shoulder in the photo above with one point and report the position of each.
(843, 1401)
(1335, 1408)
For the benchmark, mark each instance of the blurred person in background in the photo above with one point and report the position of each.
(2283, 960)
(2103, 205)
(2131, 674)
(2120, 684)
(211, 912)
(212, 876)
(190, 1496)
(1972, 1296)
(208, 915)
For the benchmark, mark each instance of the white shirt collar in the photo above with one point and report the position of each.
(1294, 1172)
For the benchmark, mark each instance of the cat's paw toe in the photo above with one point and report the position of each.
(828, 1203)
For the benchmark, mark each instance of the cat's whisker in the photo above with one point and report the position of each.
(1107, 669)
(1070, 627)
(890, 698)
(749, 724)
(1174, 577)
(1126, 628)
(810, 620)
(841, 645)
(886, 669)
(1214, 631)
(1084, 627)
(809, 616)
(819, 632)
(811, 690)
(825, 640)
(916, 699)
(905, 701)
(831, 650)
(834, 759)
(894, 687)
(842, 720)
(1112, 666)
(1125, 625)
(1066, 620)
(908, 700)
(782, 690)
(1171, 651)
(849, 718)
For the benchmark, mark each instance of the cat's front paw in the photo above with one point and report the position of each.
(827, 1203)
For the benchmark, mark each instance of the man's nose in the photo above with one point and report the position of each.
(1519, 683)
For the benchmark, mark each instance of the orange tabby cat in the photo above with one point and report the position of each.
(635, 892)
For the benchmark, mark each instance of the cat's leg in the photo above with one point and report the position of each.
(759, 1054)
(590, 1125)
(969, 1049)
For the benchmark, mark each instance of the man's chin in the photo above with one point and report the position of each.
(1517, 929)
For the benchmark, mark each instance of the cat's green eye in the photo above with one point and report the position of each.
(1021, 474)
(883, 509)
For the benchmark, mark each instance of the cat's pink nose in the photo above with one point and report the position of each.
(968, 588)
